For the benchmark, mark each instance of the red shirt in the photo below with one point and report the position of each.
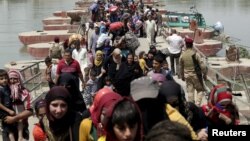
(73, 67)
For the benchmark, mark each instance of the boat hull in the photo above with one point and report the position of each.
(209, 47)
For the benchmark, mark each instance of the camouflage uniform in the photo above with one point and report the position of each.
(187, 71)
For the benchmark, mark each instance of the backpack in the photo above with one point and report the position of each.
(131, 41)
(93, 7)
(116, 26)
(55, 51)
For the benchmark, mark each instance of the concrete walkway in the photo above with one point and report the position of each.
(144, 46)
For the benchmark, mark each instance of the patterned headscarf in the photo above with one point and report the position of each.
(106, 100)
(214, 109)
(18, 91)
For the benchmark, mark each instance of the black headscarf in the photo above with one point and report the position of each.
(172, 89)
(59, 126)
(153, 111)
(69, 81)
(189, 110)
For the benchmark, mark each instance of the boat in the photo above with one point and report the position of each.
(182, 19)
(193, 25)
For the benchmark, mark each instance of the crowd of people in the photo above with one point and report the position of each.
(102, 90)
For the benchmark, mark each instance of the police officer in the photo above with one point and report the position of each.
(188, 73)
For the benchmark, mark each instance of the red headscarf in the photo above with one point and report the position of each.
(18, 92)
(104, 99)
(213, 109)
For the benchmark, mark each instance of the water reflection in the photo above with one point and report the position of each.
(20, 16)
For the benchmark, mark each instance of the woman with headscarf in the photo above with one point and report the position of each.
(91, 128)
(60, 123)
(133, 67)
(220, 109)
(174, 96)
(21, 99)
(69, 81)
(97, 67)
(40, 109)
(123, 121)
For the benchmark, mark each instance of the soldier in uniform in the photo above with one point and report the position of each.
(188, 73)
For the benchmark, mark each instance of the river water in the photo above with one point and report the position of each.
(18, 16)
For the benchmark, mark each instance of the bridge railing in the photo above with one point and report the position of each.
(32, 76)
(215, 77)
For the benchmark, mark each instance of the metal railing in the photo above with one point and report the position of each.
(215, 76)
(32, 79)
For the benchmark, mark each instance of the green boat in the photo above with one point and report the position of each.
(180, 19)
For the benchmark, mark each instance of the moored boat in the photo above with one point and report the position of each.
(182, 19)
(193, 24)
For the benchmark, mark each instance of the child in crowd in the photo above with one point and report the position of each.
(40, 109)
(49, 74)
(18, 94)
(123, 115)
(142, 62)
(108, 83)
(168, 71)
(91, 87)
(86, 73)
(6, 108)
(136, 58)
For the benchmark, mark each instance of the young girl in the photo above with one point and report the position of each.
(108, 83)
(61, 122)
(123, 121)
(142, 62)
(18, 94)
(40, 109)
(91, 87)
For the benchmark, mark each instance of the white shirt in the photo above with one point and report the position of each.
(176, 42)
(80, 56)
(150, 25)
